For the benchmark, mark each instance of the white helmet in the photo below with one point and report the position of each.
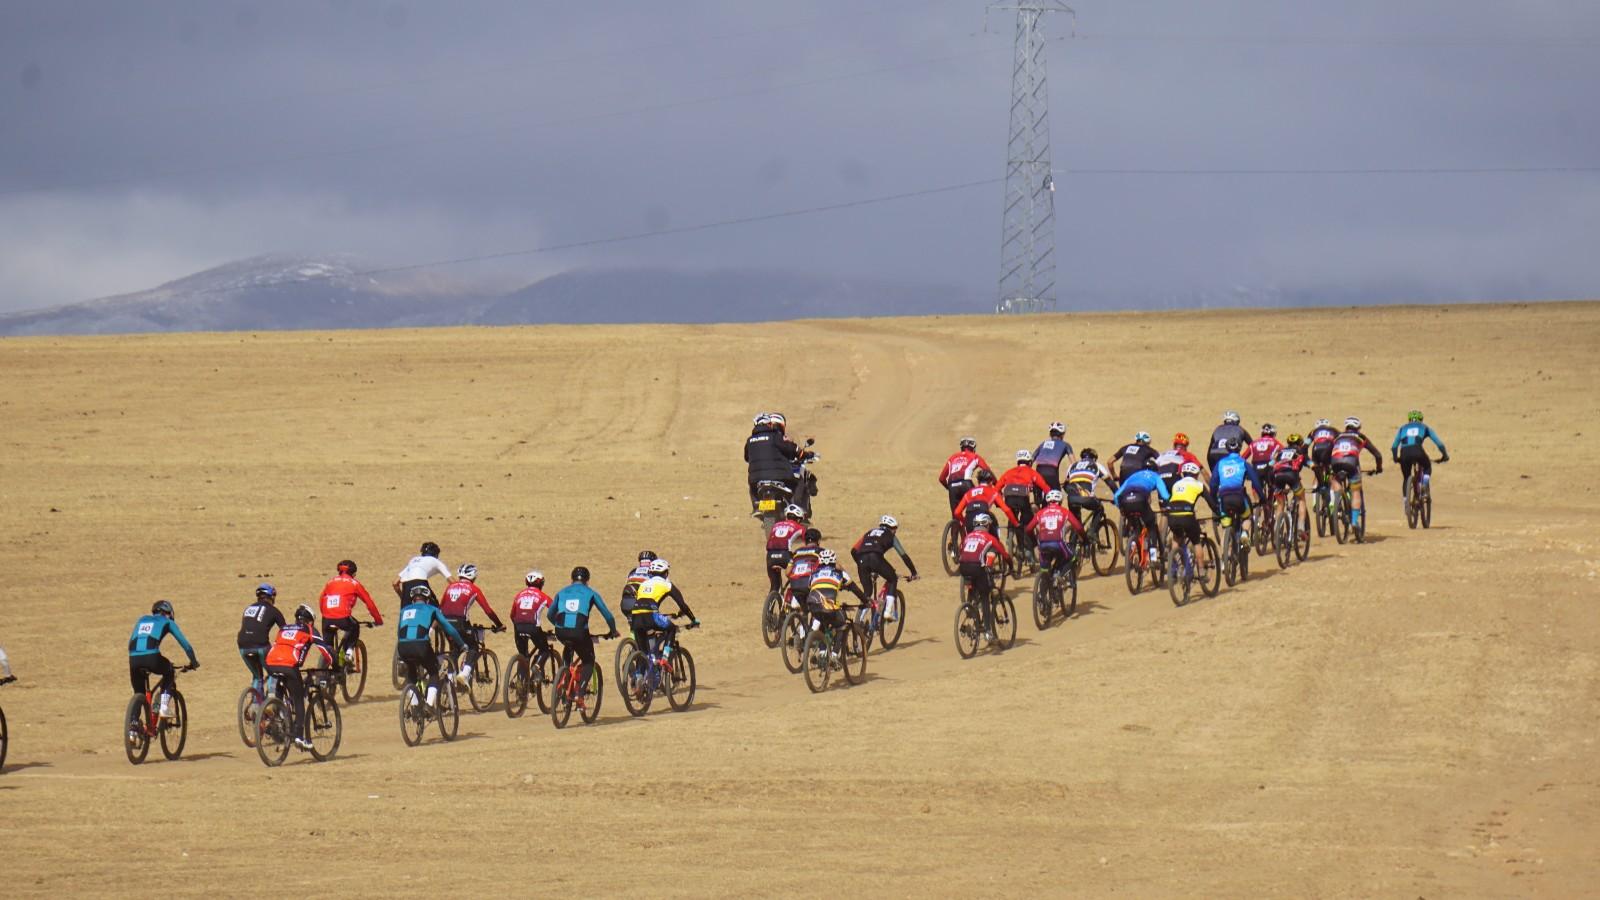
(1324, 423)
(827, 558)
(1058, 428)
(1230, 418)
(1053, 497)
(1190, 470)
(1142, 437)
(534, 578)
(794, 511)
(889, 522)
(467, 571)
(1024, 456)
(659, 567)
(778, 420)
(982, 519)
(1353, 422)
(969, 443)
(760, 419)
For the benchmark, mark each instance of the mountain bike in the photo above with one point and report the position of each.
(1139, 554)
(950, 546)
(1419, 499)
(666, 667)
(1056, 588)
(5, 734)
(876, 618)
(535, 676)
(1023, 558)
(1191, 566)
(569, 693)
(249, 712)
(796, 624)
(772, 618)
(484, 685)
(834, 646)
(1235, 551)
(1103, 545)
(1263, 524)
(1347, 523)
(1322, 502)
(352, 667)
(415, 710)
(398, 673)
(970, 619)
(1291, 527)
(141, 724)
(323, 725)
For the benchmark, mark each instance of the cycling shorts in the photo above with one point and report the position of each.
(779, 559)
(1348, 468)
(1288, 478)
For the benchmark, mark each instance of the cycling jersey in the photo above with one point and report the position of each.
(1186, 492)
(529, 605)
(639, 575)
(783, 534)
(1020, 480)
(1085, 474)
(1412, 434)
(259, 620)
(961, 466)
(1263, 448)
(1225, 433)
(339, 598)
(983, 548)
(1143, 482)
(1349, 444)
(458, 600)
(827, 582)
(295, 643)
(148, 633)
(1134, 458)
(1052, 452)
(1051, 523)
(572, 604)
(651, 594)
(1230, 474)
(1289, 459)
(417, 619)
(804, 563)
(1322, 436)
(422, 568)
(988, 496)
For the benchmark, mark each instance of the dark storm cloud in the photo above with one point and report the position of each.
(145, 141)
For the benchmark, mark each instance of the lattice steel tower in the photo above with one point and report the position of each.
(1028, 227)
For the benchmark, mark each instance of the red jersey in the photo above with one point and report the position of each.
(339, 598)
(293, 645)
(989, 495)
(1051, 522)
(961, 466)
(1019, 480)
(529, 606)
(984, 548)
(1263, 448)
(783, 534)
(458, 599)
(804, 563)
(1289, 459)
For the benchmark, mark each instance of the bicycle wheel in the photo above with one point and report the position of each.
(135, 738)
(794, 639)
(516, 686)
(1180, 581)
(1341, 521)
(593, 694)
(889, 631)
(484, 686)
(634, 684)
(355, 670)
(397, 674)
(1409, 498)
(1319, 511)
(969, 629)
(853, 654)
(1067, 596)
(326, 723)
(817, 660)
(1103, 546)
(449, 711)
(1230, 556)
(1132, 570)
(561, 701)
(1359, 528)
(1426, 511)
(274, 734)
(1043, 601)
(1005, 622)
(1261, 529)
(680, 689)
(950, 548)
(413, 713)
(248, 713)
(1283, 540)
(772, 619)
(175, 731)
(625, 647)
(5, 740)
(1302, 533)
(1206, 570)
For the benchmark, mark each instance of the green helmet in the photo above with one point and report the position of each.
(1414, 416)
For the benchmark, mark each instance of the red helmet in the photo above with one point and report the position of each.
(1180, 440)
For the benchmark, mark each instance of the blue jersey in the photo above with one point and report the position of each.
(1052, 452)
(1412, 434)
(570, 608)
(148, 633)
(1231, 473)
(417, 619)
(1146, 480)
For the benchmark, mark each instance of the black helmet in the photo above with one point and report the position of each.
(162, 608)
(814, 535)
(969, 443)
(429, 548)
(646, 555)
(347, 567)
(303, 614)
(581, 574)
(1088, 453)
(1231, 445)
(985, 476)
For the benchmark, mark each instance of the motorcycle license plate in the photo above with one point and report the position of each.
(767, 505)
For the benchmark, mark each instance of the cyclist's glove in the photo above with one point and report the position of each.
(1444, 457)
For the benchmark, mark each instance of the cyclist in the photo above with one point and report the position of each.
(569, 613)
(1228, 479)
(455, 607)
(339, 598)
(1051, 453)
(144, 652)
(418, 618)
(781, 538)
(255, 632)
(1019, 486)
(960, 471)
(871, 555)
(1049, 528)
(985, 498)
(1322, 436)
(646, 619)
(526, 608)
(981, 552)
(639, 575)
(1262, 451)
(1133, 499)
(1346, 468)
(1286, 466)
(1170, 464)
(1135, 457)
(1085, 476)
(1189, 489)
(1408, 450)
(802, 567)
(1228, 430)
(822, 598)
(288, 654)
(425, 565)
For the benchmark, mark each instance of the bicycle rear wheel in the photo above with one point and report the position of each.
(1180, 580)
(634, 684)
(1302, 533)
(516, 686)
(135, 737)
(5, 740)
(950, 549)
(1067, 596)
(1043, 600)
(1283, 538)
(680, 690)
(248, 713)
(275, 733)
(175, 730)
(1230, 556)
(1341, 521)
(484, 686)
(772, 619)
(969, 629)
(449, 711)
(413, 713)
(817, 660)
(1207, 572)
(356, 671)
(326, 724)
(853, 654)
(593, 694)
(1132, 569)
(794, 639)
(1426, 512)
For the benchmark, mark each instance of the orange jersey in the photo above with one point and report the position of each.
(294, 644)
(339, 598)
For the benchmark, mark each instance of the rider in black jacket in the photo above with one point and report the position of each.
(770, 455)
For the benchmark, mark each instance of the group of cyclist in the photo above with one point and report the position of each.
(810, 576)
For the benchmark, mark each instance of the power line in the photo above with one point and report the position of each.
(1424, 170)
(1338, 40)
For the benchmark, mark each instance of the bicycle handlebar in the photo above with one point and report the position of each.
(189, 668)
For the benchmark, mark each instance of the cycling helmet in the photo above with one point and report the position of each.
(1353, 422)
(1053, 497)
(983, 520)
(794, 511)
(581, 574)
(1414, 416)
(1189, 470)
(421, 593)
(1180, 440)
(969, 443)
(1088, 453)
(162, 608)
(1231, 445)
(761, 419)
(659, 567)
(1295, 439)
(813, 535)
(827, 558)
(778, 420)
(1324, 423)
(468, 572)
(1141, 437)
(646, 555)
(429, 548)
(1057, 429)
(985, 476)
(1024, 456)
(889, 522)
(1268, 429)
(1230, 418)
(303, 614)
(265, 591)
(347, 567)
(534, 578)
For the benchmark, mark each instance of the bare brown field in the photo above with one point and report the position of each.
(1412, 717)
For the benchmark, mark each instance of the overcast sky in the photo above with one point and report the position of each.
(145, 141)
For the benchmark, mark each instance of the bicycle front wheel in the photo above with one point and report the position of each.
(5, 740)
(1283, 540)
(950, 547)
(681, 687)
(543, 674)
(1005, 622)
(326, 725)
(853, 654)
(484, 685)
(175, 730)
(1103, 546)
(625, 648)
(817, 660)
(889, 631)
(794, 639)
(275, 735)
(248, 714)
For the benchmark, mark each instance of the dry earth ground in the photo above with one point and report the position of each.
(1413, 717)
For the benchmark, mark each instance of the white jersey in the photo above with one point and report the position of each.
(421, 568)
